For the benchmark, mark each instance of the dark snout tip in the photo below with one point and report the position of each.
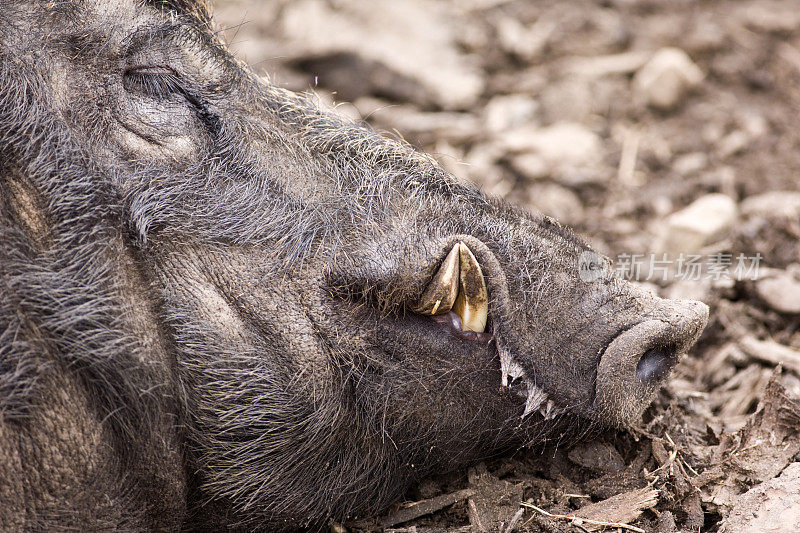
(640, 359)
(685, 320)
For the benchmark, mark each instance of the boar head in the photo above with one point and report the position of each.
(275, 315)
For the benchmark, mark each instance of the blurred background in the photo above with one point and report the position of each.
(649, 126)
(610, 116)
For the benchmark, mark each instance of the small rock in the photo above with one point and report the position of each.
(599, 456)
(664, 80)
(566, 151)
(562, 143)
(773, 204)
(530, 166)
(770, 507)
(689, 164)
(781, 291)
(753, 124)
(557, 202)
(686, 289)
(524, 41)
(505, 112)
(733, 143)
(412, 43)
(661, 205)
(706, 220)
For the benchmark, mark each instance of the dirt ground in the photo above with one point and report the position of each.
(615, 117)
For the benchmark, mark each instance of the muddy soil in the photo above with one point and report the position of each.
(652, 127)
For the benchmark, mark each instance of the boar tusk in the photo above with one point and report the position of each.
(472, 302)
(441, 293)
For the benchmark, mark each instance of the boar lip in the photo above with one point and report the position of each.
(602, 352)
(536, 398)
(452, 322)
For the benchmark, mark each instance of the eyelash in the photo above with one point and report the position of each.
(159, 84)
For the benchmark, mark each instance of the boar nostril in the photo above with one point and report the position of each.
(655, 364)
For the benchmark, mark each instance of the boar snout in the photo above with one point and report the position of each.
(638, 361)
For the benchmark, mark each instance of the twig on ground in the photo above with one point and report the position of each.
(579, 521)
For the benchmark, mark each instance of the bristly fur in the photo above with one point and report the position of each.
(205, 285)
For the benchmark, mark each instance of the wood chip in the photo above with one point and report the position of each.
(425, 507)
(771, 352)
(622, 508)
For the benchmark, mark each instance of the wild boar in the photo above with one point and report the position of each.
(224, 308)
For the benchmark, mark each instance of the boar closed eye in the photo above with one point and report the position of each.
(163, 84)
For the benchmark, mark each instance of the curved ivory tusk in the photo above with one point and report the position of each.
(440, 294)
(472, 302)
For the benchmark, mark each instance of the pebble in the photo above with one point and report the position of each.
(558, 202)
(568, 152)
(781, 291)
(773, 204)
(530, 166)
(563, 142)
(686, 289)
(525, 41)
(599, 456)
(508, 111)
(664, 80)
(706, 220)
(689, 164)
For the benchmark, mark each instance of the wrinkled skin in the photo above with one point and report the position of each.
(206, 287)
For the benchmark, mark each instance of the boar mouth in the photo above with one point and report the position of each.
(456, 297)
(629, 366)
